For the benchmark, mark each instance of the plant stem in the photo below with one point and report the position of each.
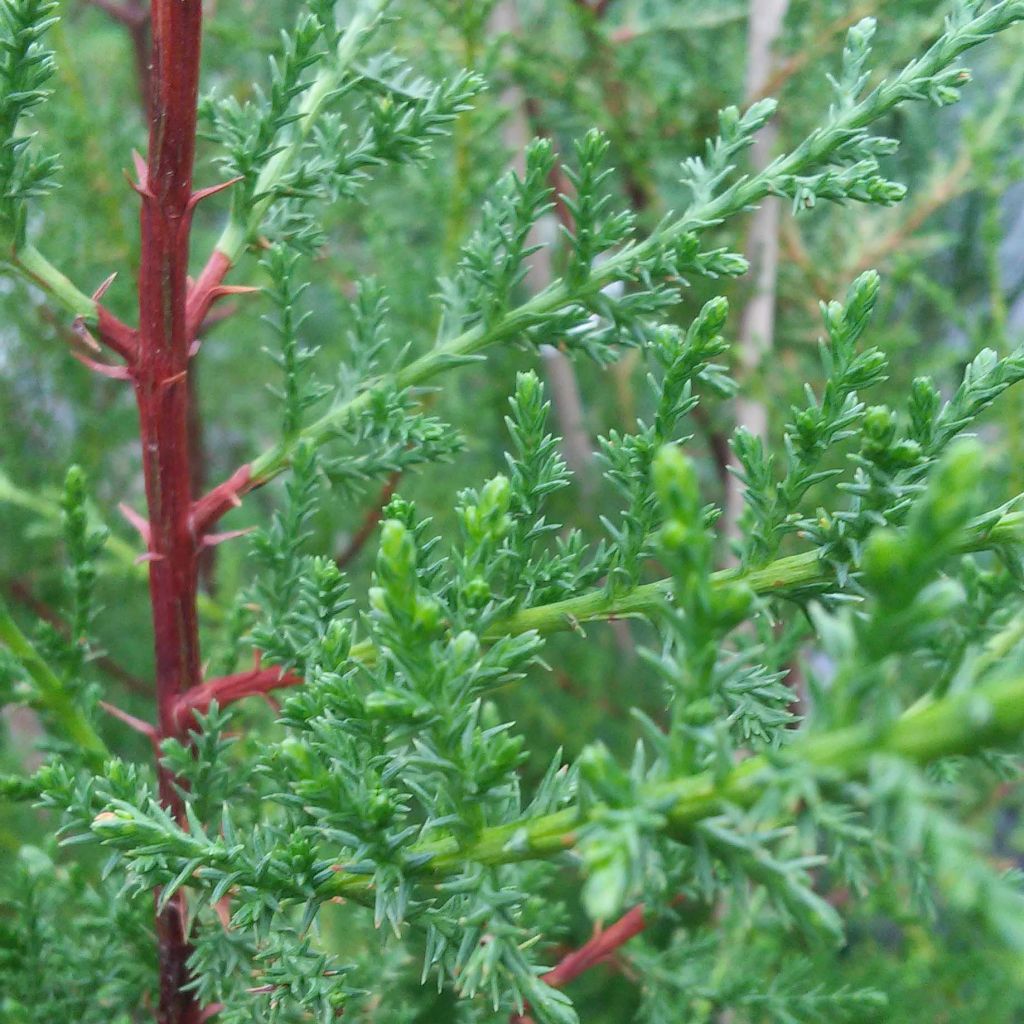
(962, 724)
(160, 377)
(239, 230)
(53, 697)
(814, 153)
(781, 578)
(120, 552)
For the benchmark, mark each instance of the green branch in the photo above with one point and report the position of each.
(813, 154)
(29, 263)
(118, 550)
(237, 233)
(781, 577)
(961, 724)
(53, 697)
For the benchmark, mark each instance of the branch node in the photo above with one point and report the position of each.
(217, 502)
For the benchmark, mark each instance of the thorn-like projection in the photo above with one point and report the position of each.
(205, 193)
(102, 290)
(140, 522)
(217, 502)
(104, 369)
(142, 184)
(211, 540)
(176, 379)
(131, 721)
(221, 290)
(148, 556)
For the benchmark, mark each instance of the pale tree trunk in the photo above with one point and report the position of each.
(559, 372)
(757, 323)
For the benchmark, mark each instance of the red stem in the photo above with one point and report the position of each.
(228, 689)
(204, 291)
(598, 949)
(160, 376)
(369, 523)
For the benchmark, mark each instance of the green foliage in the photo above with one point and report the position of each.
(815, 749)
(26, 67)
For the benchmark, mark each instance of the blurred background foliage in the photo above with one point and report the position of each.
(653, 75)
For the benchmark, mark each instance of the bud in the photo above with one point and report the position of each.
(388, 704)
(675, 536)
(427, 617)
(465, 647)
(711, 319)
(728, 122)
(879, 425)
(528, 390)
(596, 765)
(336, 644)
(477, 592)
(759, 114)
(860, 301)
(675, 480)
(396, 560)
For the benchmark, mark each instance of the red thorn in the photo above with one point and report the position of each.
(194, 347)
(104, 369)
(205, 193)
(211, 540)
(176, 379)
(148, 556)
(232, 289)
(131, 721)
(138, 521)
(141, 169)
(144, 193)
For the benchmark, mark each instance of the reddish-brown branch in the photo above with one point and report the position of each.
(160, 377)
(369, 523)
(203, 292)
(117, 336)
(228, 689)
(216, 503)
(599, 949)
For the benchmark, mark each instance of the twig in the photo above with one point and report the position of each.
(22, 593)
(358, 540)
(600, 948)
(229, 689)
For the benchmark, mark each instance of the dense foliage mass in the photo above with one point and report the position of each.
(615, 611)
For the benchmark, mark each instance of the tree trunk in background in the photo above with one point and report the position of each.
(757, 323)
(559, 372)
